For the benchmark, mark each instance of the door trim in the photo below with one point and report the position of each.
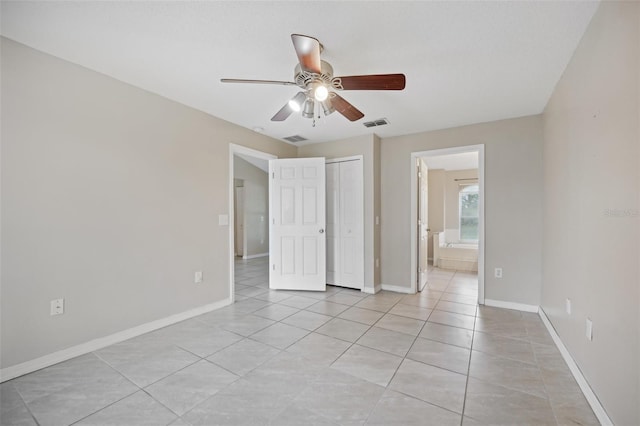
(233, 150)
(414, 211)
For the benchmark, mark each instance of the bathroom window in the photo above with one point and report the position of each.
(469, 213)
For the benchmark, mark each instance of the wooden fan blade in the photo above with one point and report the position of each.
(350, 112)
(374, 82)
(237, 80)
(308, 51)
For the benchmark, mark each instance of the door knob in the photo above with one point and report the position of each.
(322, 231)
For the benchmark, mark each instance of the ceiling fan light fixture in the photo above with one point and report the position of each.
(327, 107)
(320, 93)
(307, 111)
(296, 102)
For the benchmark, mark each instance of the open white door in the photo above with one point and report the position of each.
(423, 221)
(297, 244)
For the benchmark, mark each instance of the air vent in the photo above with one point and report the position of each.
(374, 123)
(295, 138)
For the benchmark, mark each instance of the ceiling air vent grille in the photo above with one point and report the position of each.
(295, 138)
(374, 123)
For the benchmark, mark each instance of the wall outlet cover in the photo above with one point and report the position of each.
(57, 307)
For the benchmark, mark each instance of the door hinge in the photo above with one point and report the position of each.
(419, 174)
(274, 267)
(273, 175)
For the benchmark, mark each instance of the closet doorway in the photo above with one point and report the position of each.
(345, 222)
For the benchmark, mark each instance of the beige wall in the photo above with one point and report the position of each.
(110, 200)
(256, 206)
(513, 195)
(367, 146)
(591, 215)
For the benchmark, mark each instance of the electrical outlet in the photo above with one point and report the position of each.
(57, 307)
(197, 277)
(568, 306)
(589, 329)
(498, 272)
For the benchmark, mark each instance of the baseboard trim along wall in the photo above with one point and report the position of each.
(511, 305)
(254, 256)
(395, 288)
(371, 290)
(17, 370)
(591, 397)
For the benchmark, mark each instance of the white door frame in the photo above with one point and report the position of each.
(414, 210)
(233, 150)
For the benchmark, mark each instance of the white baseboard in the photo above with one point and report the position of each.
(253, 256)
(591, 397)
(17, 370)
(395, 288)
(511, 305)
(371, 290)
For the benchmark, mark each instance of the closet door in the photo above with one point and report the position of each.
(351, 224)
(345, 223)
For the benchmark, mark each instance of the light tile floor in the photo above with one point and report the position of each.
(335, 358)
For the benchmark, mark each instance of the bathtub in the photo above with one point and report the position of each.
(457, 256)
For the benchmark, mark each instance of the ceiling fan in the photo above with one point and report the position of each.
(315, 77)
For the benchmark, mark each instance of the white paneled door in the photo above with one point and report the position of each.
(345, 223)
(297, 237)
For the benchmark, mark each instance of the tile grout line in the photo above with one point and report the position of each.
(415, 337)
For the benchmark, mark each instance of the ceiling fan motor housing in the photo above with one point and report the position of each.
(305, 79)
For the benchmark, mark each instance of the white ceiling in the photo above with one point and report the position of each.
(465, 62)
(462, 161)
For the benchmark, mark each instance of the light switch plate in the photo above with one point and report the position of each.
(589, 329)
